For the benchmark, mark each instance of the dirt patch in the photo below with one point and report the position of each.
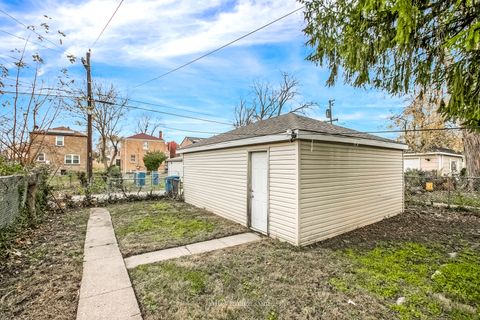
(41, 269)
(154, 225)
(421, 224)
(273, 280)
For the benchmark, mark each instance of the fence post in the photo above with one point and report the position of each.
(449, 181)
(108, 187)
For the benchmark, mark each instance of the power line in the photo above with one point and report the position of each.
(25, 39)
(240, 134)
(41, 37)
(164, 112)
(108, 22)
(71, 91)
(164, 106)
(191, 131)
(219, 48)
(56, 95)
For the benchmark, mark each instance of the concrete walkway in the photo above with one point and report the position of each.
(199, 247)
(106, 291)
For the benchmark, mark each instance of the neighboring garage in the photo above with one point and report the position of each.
(295, 178)
(175, 167)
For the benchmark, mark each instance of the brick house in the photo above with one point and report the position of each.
(133, 149)
(62, 147)
(189, 140)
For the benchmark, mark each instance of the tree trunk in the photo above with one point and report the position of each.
(103, 151)
(471, 147)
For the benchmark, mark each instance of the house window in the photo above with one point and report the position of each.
(145, 145)
(72, 159)
(41, 157)
(453, 166)
(59, 141)
(132, 158)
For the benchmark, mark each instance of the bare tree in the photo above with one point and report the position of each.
(422, 113)
(108, 112)
(244, 115)
(147, 124)
(28, 105)
(269, 101)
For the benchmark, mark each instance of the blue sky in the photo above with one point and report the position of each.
(148, 38)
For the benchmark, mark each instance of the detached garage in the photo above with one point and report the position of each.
(295, 178)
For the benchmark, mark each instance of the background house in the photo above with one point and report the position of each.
(97, 161)
(133, 149)
(443, 161)
(190, 140)
(296, 178)
(62, 147)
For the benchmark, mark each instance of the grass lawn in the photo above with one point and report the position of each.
(429, 258)
(41, 268)
(153, 225)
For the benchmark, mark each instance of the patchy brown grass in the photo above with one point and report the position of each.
(335, 279)
(153, 225)
(41, 269)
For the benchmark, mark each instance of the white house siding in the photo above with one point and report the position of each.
(283, 215)
(343, 187)
(447, 164)
(217, 181)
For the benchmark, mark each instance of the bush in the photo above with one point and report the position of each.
(8, 168)
(114, 172)
(153, 160)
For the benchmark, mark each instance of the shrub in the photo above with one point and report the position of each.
(9, 167)
(153, 160)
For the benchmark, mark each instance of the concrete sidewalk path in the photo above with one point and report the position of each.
(194, 248)
(106, 291)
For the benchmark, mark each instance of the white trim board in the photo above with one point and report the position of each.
(413, 155)
(298, 135)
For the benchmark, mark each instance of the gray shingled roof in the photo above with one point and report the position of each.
(281, 124)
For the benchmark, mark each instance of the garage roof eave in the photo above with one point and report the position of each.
(298, 135)
(317, 136)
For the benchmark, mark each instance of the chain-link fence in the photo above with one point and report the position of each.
(75, 184)
(452, 191)
(12, 198)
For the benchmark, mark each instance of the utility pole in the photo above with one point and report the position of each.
(328, 112)
(86, 64)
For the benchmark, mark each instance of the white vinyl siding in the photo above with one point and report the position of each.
(343, 187)
(283, 214)
(175, 168)
(217, 181)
